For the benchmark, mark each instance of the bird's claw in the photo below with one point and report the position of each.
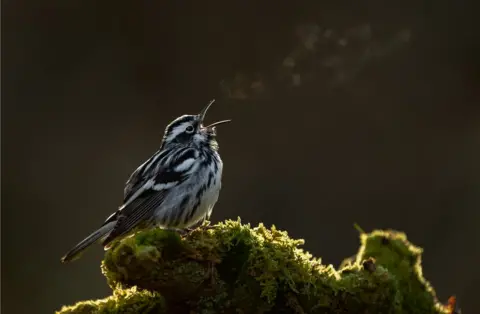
(187, 231)
(184, 232)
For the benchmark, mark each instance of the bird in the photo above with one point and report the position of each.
(175, 189)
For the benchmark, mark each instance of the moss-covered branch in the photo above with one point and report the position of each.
(233, 268)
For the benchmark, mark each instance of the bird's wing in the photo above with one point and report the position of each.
(142, 174)
(164, 159)
(142, 201)
(137, 211)
(133, 183)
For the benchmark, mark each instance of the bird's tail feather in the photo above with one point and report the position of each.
(100, 233)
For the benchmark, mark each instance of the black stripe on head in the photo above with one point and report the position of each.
(174, 132)
(180, 120)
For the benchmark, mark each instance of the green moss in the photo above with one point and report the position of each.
(403, 260)
(123, 301)
(233, 268)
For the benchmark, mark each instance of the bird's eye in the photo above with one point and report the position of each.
(189, 129)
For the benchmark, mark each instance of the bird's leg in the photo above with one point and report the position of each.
(205, 220)
(183, 232)
(205, 223)
(188, 230)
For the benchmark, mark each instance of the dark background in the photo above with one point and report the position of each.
(384, 129)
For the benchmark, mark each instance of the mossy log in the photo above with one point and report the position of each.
(233, 268)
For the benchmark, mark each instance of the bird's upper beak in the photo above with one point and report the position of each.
(204, 112)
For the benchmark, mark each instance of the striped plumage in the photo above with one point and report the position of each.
(176, 188)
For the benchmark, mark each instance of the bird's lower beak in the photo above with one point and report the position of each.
(211, 126)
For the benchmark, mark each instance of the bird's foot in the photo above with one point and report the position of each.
(205, 225)
(187, 231)
(183, 232)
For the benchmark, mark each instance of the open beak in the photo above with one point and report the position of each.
(204, 112)
(217, 123)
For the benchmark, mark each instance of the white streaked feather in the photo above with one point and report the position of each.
(164, 186)
(148, 184)
(185, 165)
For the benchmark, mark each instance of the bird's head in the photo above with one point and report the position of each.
(189, 130)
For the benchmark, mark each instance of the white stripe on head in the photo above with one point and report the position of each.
(178, 126)
(177, 130)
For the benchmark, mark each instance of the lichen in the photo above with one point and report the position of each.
(233, 268)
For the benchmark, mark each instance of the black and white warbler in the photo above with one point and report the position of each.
(176, 188)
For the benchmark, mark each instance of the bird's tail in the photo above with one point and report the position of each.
(100, 233)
